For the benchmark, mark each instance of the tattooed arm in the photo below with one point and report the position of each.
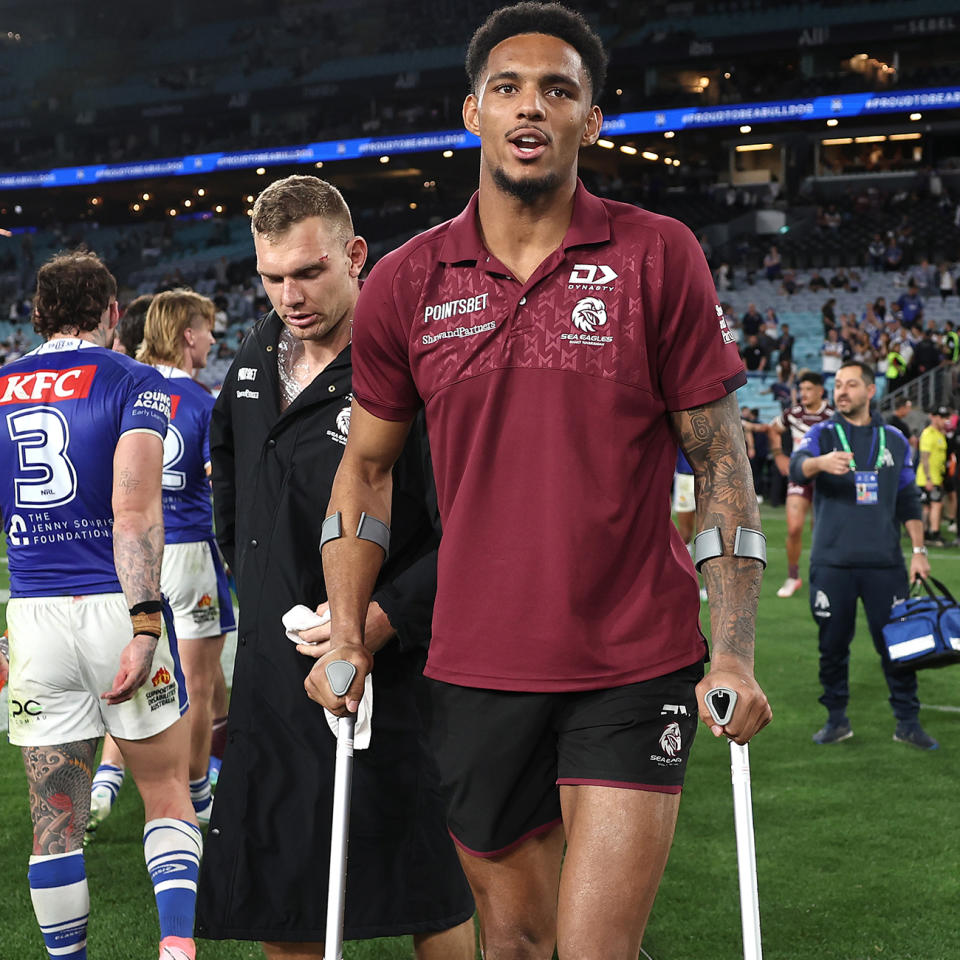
(59, 778)
(712, 439)
(137, 546)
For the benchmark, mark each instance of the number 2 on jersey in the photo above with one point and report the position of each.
(173, 447)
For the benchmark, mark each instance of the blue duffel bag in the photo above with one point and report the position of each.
(924, 631)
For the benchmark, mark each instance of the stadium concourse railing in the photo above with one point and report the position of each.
(929, 390)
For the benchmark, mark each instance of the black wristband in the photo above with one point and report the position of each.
(147, 606)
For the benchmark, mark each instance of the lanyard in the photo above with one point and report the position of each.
(846, 446)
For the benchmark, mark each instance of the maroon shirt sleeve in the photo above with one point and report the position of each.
(382, 382)
(698, 358)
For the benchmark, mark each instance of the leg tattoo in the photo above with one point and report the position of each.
(59, 778)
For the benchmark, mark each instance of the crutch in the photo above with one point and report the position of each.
(340, 675)
(720, 702)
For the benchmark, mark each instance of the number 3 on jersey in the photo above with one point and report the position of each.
(173, 448)
(46, 476)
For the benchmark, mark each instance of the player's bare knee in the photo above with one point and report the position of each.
(506, 940)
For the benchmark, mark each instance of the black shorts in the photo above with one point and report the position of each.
(931, 496)
(503, 755)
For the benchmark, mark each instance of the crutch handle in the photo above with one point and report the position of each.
(720, 702)
(340, 675)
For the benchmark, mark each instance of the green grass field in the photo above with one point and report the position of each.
(858, 844)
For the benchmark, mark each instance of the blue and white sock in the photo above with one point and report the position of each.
(106, 783)
(61, 902)
(172, 850)
(200, 793)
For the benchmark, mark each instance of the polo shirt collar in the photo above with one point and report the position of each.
(590, 223)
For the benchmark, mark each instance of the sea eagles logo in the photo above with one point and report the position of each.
(887, 459)
(670, 741)
(589, 314)
(821, 605)
(343, 421)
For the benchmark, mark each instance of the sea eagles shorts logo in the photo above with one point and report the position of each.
(247, 373)
(670, 741)
(821, 605)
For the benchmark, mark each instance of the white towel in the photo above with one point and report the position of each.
(303, 618)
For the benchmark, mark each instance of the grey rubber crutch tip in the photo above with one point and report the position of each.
(340, 675)
(720, 702)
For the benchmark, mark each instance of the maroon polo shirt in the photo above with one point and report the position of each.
(547, 406)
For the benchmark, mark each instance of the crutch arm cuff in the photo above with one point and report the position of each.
(747, 544)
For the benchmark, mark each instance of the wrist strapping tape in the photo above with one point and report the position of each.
(749, 544)
(369, 528)
(147, 618)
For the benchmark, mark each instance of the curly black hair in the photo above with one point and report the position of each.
(552, 19)
(73, 290)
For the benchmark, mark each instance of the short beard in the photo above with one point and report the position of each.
(528, 190)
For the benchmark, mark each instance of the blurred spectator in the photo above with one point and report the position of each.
(789, 286)
(875, 252)
(752, 320)
(926, 355)
(724, 277)
(827, 315)
(839, 280)
(951, 343)
(892, 256)
(911, 306)
(947, 283)
(754, 357)
(816, 282)
(923, 276)
(880, 309)
(782, 387)
(831, 353)
(785, 345)
(898, 419)
(771, 264)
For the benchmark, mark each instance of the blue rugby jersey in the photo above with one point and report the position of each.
(63, 407)
(187, 509)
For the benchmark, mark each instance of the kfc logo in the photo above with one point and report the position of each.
(49, 386)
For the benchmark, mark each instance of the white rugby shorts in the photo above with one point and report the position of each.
(683, 499)
(64, 653)
(193, 581)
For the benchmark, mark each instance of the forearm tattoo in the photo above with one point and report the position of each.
(138, 558)
(5, 646)
(59, 779)
(712, 439)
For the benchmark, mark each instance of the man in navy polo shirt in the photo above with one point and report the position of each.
(561, 346)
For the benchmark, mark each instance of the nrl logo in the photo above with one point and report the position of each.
(589, 314)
